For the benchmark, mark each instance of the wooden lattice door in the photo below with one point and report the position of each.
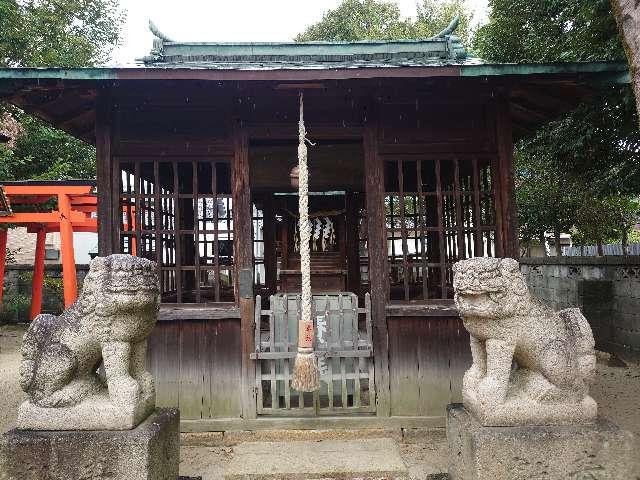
(344, 345)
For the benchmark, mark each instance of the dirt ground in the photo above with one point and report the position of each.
(616, 389)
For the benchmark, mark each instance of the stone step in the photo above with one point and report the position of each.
(368, 459)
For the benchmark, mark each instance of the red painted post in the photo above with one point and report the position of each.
(38, 275)
(3, 259)
(69, 278)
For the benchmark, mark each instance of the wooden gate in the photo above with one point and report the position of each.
(345, 356)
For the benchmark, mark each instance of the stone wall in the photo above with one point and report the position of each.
(17, 291)
(607, 289)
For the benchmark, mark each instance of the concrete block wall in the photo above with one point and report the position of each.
(16, 285)
(606, 289)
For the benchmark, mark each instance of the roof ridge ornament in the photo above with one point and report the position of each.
(154, 29)
(449, 29)
(157, 52)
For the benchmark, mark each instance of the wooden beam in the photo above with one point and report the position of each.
(44, 217)
(243, 258)
(37, 282)
(378, 266)
(504, 143)
(104, 171)
(47, 190)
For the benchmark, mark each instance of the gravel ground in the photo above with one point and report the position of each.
(616, 389)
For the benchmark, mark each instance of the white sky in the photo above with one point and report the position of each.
(229, 20)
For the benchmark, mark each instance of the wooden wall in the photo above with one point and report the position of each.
(196, 365)
(427, 359)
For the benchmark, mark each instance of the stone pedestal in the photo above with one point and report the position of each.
(600, 451)
(148, 452)
(93, 413)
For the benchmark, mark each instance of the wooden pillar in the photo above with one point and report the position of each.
(3, 260)
(378, 267)
(37, 283)
(504, 143)
(104, 175)
(69, 278)
(243, 258)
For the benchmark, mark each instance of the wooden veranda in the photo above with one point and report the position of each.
(411, 170)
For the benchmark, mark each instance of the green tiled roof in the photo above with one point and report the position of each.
(444, 48)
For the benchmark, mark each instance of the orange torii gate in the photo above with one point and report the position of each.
(76, 212)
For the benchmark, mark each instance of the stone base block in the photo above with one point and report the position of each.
(93, 413)
(148, 452)
(598, 451)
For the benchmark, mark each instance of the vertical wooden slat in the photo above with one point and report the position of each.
(272, 363)
(196, 227)
(343, 382)
(353, 256)
(216, 249)
(270, 256)
(441, 232)
(137, 203)
(378, 265)
(479, 249)
(403, 232)
(157, 212)
(422, 205)
(459, 220)
(177, 228)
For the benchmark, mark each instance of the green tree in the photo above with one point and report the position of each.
(589, 154)
(58, 33)
(354, 20)
(53, 33)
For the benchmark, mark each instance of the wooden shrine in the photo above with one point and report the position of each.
(411, 170)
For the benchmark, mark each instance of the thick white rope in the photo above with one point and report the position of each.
(304, 227)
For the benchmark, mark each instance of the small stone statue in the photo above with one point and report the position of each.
(531, 365)
(108, 325)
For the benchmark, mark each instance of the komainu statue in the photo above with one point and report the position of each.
(85, 369)
(531, 365)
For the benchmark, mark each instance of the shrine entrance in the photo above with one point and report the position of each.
(339, 278)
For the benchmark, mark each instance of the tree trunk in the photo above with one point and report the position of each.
(556, 235)
(627, 13)
(625, 242)
(600, 249)
(543, 242)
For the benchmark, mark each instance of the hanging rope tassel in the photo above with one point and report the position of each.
(306, 376)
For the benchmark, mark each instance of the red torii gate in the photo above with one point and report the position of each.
(77, 206)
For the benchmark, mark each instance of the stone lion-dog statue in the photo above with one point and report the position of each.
(531, 365)
(107, 326)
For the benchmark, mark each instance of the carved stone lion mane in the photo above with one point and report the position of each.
(531, 365)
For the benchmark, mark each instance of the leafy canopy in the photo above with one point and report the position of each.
(53, 33)
(578, 170)
(354, 20)
(58, 33)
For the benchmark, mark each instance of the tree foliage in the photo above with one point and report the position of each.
(576, 172)
(53, 33)
(549, 31)
(58, 33)
(354, 20)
